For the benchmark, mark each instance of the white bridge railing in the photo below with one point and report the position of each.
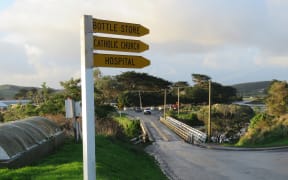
(188, 133)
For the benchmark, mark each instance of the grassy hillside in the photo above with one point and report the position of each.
(9, 91)
(252, 88)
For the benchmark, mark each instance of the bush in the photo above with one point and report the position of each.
(103, 111)
(189, 118)
(131, 127)
(108, 127)
(1, 117)
(264, 130)
(259, 117)
(20, 111)
(226, 119)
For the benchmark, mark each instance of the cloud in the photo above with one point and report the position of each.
(14, 59)
(211, 37)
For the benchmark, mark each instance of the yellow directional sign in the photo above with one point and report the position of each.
(115, 44)
(120, 61)
(120, 28)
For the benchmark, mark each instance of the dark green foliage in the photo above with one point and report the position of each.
(188, 118)
(1, 117)
(72, 89)
(277, 99)
(265, 129)
(103, 111)
(131, 98)
(219, 94)
(19, 111)
(222, 94)
(142, 81)
(131, 127)
(197, 94)
(259, 117)
(226, 119)
(201, 80)
(55, 104)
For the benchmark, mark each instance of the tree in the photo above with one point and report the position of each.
(109, 88)
(22, 94)
(97, 74)
(201, 80)
(142, 81)
(180, 84)
(222, 94)
(72, 89)
(44, 92)
(277, 99)
(132, 82)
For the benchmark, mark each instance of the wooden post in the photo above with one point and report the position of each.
(164, 112)
(178, 104)
(209, 114)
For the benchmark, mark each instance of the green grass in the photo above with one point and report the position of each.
(114, 160)
(188, 118)
(131, 127)
(278, 143)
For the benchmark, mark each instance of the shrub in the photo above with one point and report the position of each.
(131, 127)
(263, 129)
(189, 118)
(103, 111)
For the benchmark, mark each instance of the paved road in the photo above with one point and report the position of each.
(180, 160)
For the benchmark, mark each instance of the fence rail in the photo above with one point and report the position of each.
(186, 132)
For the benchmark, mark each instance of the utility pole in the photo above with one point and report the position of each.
(164, 105)
(178, 104)
(209, 114)
(140, 100)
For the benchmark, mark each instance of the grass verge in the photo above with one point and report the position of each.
(114, 159)
(130, 127)
(278, 143)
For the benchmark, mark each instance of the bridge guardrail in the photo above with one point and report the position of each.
(145, 132)
(186, 132)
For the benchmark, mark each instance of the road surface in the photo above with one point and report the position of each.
(179, 160)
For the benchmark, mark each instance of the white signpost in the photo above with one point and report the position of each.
(88, 61)
(87, 91)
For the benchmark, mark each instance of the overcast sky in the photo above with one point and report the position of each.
(232, 41)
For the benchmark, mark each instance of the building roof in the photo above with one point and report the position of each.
(3, 104)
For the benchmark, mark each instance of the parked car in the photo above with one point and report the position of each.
(137, 109)
(147, 111)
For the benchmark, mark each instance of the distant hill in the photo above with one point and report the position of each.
(252, 88)
(8, 91)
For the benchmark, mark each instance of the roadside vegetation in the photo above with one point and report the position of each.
(230, 123)
(116, 157)
(271, 126)
(242, 126)
(131, 127)
(189, 118)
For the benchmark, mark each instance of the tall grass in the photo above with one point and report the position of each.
(131, 127)
(265, 130)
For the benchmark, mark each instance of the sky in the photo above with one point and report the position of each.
(232, 41)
